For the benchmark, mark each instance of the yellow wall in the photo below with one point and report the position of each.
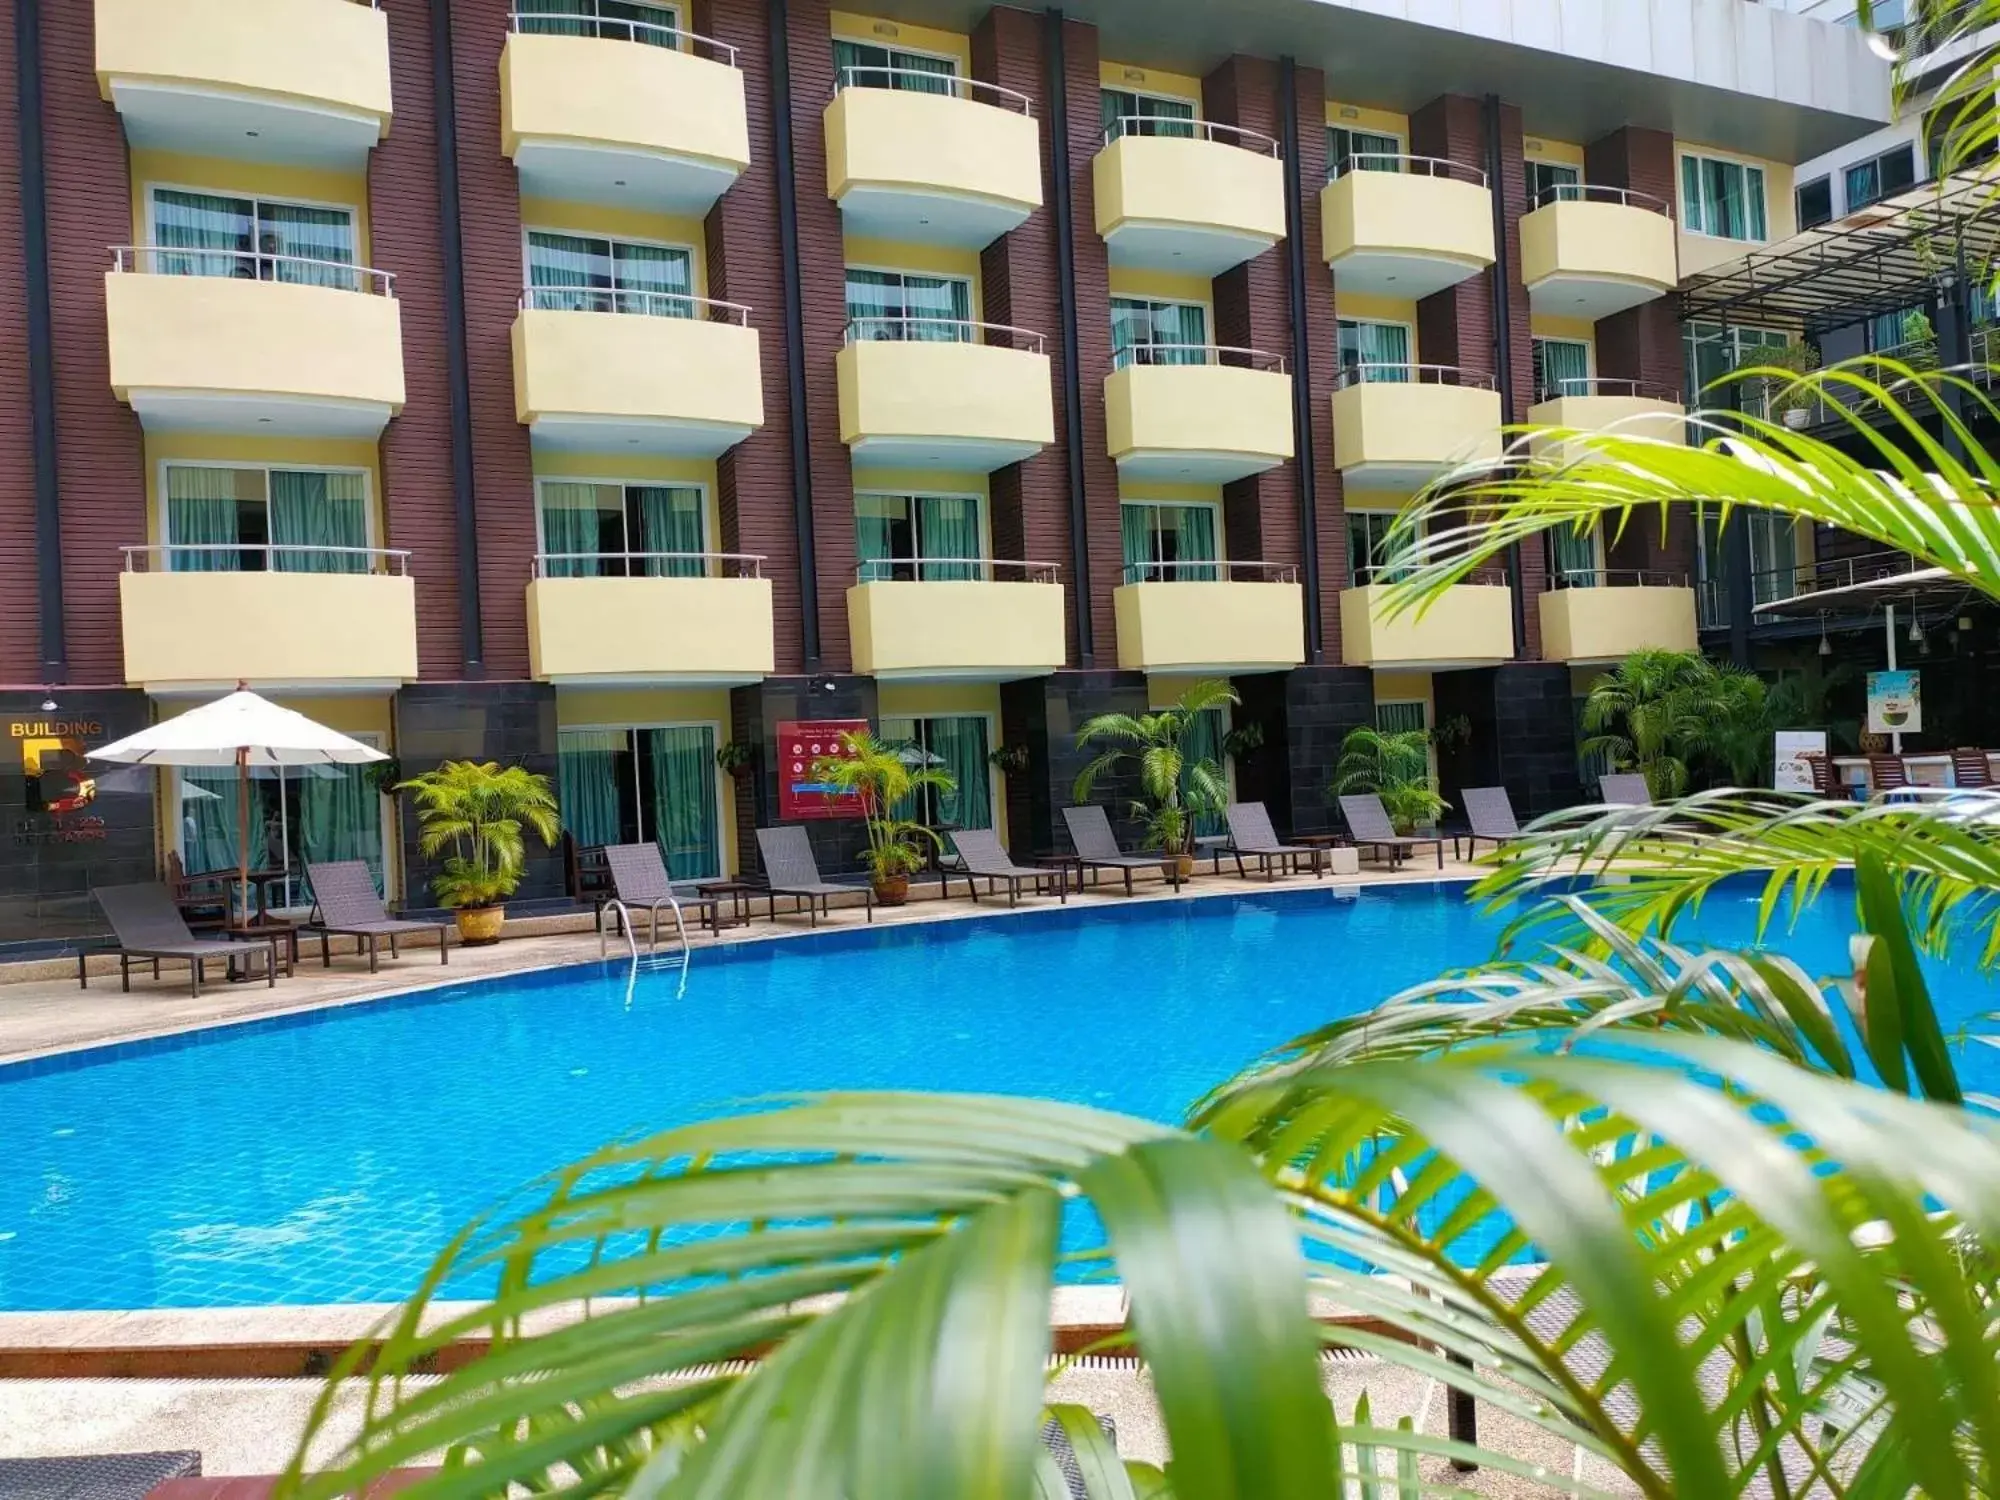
(1549, 326)
(851, 26)
(627, 708)
(1468, 624)
(195, 632)
(904, 255)
(250, 452)
(1381, 310)
(1168, 286)
(216, 174)
(1698, 252)
(677, 230)
(1541, 148)
(1208, 629)
(1360, 117)
(1158, 81)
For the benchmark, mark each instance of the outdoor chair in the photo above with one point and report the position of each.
(1251, 836)
(1097, 847)
(345, 905)
(202, 900)
(982, 858)
(1822, 774)
(1490, 811)
(1368, 824)
(1971, 769)
(1624, 789)
(1887, 773)
(99, 1476)
(790, 870)
(640, 881)
(147, 926)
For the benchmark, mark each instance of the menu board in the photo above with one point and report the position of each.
(801, 745)
(1895, 703)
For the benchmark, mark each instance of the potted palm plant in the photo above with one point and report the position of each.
(885, 778)
(1396, 767)
(1176, 786)
(473, 813)
(1792, 402)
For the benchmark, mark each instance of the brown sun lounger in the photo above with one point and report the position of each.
(790, 870)
(1368, 823)
(1097, 848)
(1251, 836)
(981, 858)
(640, 881)
(345, 905)
(1490, 811)
(1624, 789)
(148, 926)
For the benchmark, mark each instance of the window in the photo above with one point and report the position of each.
(297, 815)
(588, 530)
(902, 306)
(1167, 543)
(222, 520)
(918, 538)
(1380, 351)
(1562, 368)
(1815, 202)
(865, 65)
(1881, 177)
(583, 273)
(1710, 351)
(1396, 716)
(1371, 556)
(1126, 113)
(1148, 332)
(1901, 331)
(1361, 151)
(253, 239)
(1546, 175)
(957, 746)
(613, 20)
(1773, 557)
(625, 785)
(1722, 198)
(1573, 555)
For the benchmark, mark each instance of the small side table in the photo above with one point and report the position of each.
(741, 894)
(1063, 862)
(261, 930)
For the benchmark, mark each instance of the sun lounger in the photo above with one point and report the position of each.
(790, 870)
(1624, 789)
(640, 881)
(1491, 813)
(982, 858)
(101, 1476)
(1252, 836)
(1097, 847)
(345, 905)
(148, 926)
(1369, 825)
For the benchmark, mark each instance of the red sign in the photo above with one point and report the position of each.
(800, 746)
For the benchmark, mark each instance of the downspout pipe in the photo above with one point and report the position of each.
(778, 21)
(1302, 400)
(41, 340)
(1072, 386)
(1502, 274)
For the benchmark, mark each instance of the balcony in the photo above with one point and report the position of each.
(928, 393)
(227, 341)
(958, 168)
(1210, 617)
(267, 616)
(1201, 202)
(1621, 408)
(308, 80)
(626, 113)
(1589, 251)
(1405, 231)
(1002, 624)
(643, 371)
(1399, 426)
(1470, 625)
(1599, 615)
(636, 623)
(1197, 413)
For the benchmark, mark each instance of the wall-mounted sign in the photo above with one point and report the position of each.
(1895, 702)
(801, 745)
(1792, 766)
(59, 784)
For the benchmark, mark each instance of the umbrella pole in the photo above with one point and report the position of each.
(243, 828)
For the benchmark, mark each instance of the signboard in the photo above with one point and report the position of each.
(1895, 703)
(1792, 772)
(60, 789)
(800, 745)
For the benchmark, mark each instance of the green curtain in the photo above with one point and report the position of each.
(960, 742)
(907, 736)
(670, 520)
(1143, 114)
(917, 74)
(875, 518)
(652, 279)
(1204, 742)
(880, 300)
(1575, 555)
(213, 230)
(1135, 522)
(208, 822)
(1384, 348)
(948, 528)
(1369, 152)
(653, 16)
(202, 512)
(1723, 198)
(313, 234)
(318, 510)
(1196, 525)
(570, 526)
(554, 17)
(682, 791)
(1400, 718)
(568, 273)
(340, 817)
(1165, 333)
(1562, 368)
(587, 783)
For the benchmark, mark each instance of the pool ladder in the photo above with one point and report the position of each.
(653, 927)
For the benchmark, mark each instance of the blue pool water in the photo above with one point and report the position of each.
(327, 1159)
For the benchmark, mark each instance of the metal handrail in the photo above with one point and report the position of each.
(911, 569)
(606, 29)
(733, 564)
(969, 89)
(1638, 578)
(1411, 166)
(1369, 574)
(964, 328)
(1165, 128)
(652, 909)
(395, 560)
(1768, 585)
(1231, 355)
(1598, 192)
(1362, 373)
(1223, 572)
(1607, 385)
(596, 299)
(254, 265)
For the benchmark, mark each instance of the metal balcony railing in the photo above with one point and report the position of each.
(263, 557)
(956, 570)
(251, 265)
(1210, 571)
(1190, 130)
(1768, 585)
(1393, 372)
(1603, 385)
(610, 29)
(1411, 166)
(1367, 576)
(1197, 354)
(923, 81)
(900, 328)
(648, 565)
(1617, 578)
(634, 302)
(1598, 192)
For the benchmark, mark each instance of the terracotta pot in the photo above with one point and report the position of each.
(480, 925)
(891, 890)
(1180, 867)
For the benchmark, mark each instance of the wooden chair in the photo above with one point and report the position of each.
(202, 900)
(1822, 774)
(1887, 773)
(1970, 768)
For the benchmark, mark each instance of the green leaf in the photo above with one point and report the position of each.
(1896, 984)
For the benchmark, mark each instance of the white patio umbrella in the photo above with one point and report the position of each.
(244, 731)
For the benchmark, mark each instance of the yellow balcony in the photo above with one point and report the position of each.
(959, 168)
(1252, 623)
(1406, 233)
(924, 403)
(1638, 611)
(712, 630)
(1225, 414)
(1004, 625)
(616, 381)
(1624, 408)
(202, 631)
(1470, 625)
(1595, 251)
(1397, 426)
(229, 342)
(308, 80)
(640, 116)
(1199, 204)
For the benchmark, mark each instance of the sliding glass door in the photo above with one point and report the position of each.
(299, 815)
(631, 784)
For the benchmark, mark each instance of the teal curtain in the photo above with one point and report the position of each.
(554, 17)
(681, 791)
(587, 783)
(670, 520)
(312, 234)
(340, 818)
(213, 231)
(960, 743)
(875, 519)
(1363, 149)
(1575, 555)
(1157, 333)
(1382, 350)
(202, 511)
(568, 273)
(1723, 198)
(1136, 524)
(1196, 524)
(1562, 368)
(318, 510)
(915, 73)
(1400, 718)
(1204, 742)
(948, 528)
(653, 279)
(208, 820)
(881, 300)
(1129, 113)
(906, 735)
(570, 525)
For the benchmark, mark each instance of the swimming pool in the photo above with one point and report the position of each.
(327, 1158)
